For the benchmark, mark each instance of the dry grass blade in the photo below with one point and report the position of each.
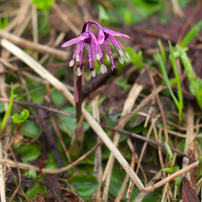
(59, 86)
(34, 46)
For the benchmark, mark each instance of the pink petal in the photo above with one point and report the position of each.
(82, 37)
(70, 42)
(110, 32)
(100, 36)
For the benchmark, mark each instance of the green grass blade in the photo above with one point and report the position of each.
(7, 114)
(180, 97)
(191, 34)
(167, 80)
(163, 54)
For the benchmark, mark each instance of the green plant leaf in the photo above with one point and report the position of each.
(29, 152)
(7, 114)
(20, 118)
(35, 189)
(167, 79)
(135, 58)
(30, 129)
(191, 34)
(32, 172)
(57, 97)
(170, 153)
(43, 4)
(163, 54)
(167, 170)
(85, 185)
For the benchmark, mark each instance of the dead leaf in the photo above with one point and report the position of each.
(189, 187)
(189, 191)
(17, 137)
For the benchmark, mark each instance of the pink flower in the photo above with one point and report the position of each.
(105, 34)
(94, 49)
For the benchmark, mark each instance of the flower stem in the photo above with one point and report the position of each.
(77, 139)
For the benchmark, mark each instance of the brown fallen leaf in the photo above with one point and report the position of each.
(189, 193)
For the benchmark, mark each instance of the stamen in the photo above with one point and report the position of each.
(77, 57)
(113, 68)
(98, 56)
(121, 60)
(94, 73)
(103, 69)
(107, 57)
(127, 56)
(79, 72)
(71, 64)
(121, 52)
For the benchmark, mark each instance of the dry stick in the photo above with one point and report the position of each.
(98, 154)
(2, 181)
(61, 87)
(124, 184)
(35, 28)
(57, 131)
(159, 104)
(28, 74)
(189, 145)
(19, 176)
(56, 43)
(134, 93)
(10, 163)
(63, 55)
(39, 107)
(19, 18)
(126, 118)
(142, 195)
(189, 21)
(176, 8)
(145, 144)
(65, 19)
(146, 140)
(171, 177)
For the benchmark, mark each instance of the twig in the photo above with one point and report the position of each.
(140, 137)
(39, 107)
(63, 55)
(98, 155)
(2, 181)
(171, 177)
(10, 163)
(65, 19)
(159, 104)
(134, 93)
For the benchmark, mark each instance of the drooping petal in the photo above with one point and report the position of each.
(113, 33)
(100, 36)
(95, 46)
(82, 37)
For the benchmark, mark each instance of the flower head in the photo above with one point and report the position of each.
(105, 34)
(95, 47)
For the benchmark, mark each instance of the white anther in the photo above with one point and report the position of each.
(94, 73)
(103, 69)
(71, 63)
(121, 60)
(127, 56)
(79, 72)
(98, 56)
(107, 57)
(121, 53)
(77, 57)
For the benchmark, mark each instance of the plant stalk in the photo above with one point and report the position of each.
(77, 139)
